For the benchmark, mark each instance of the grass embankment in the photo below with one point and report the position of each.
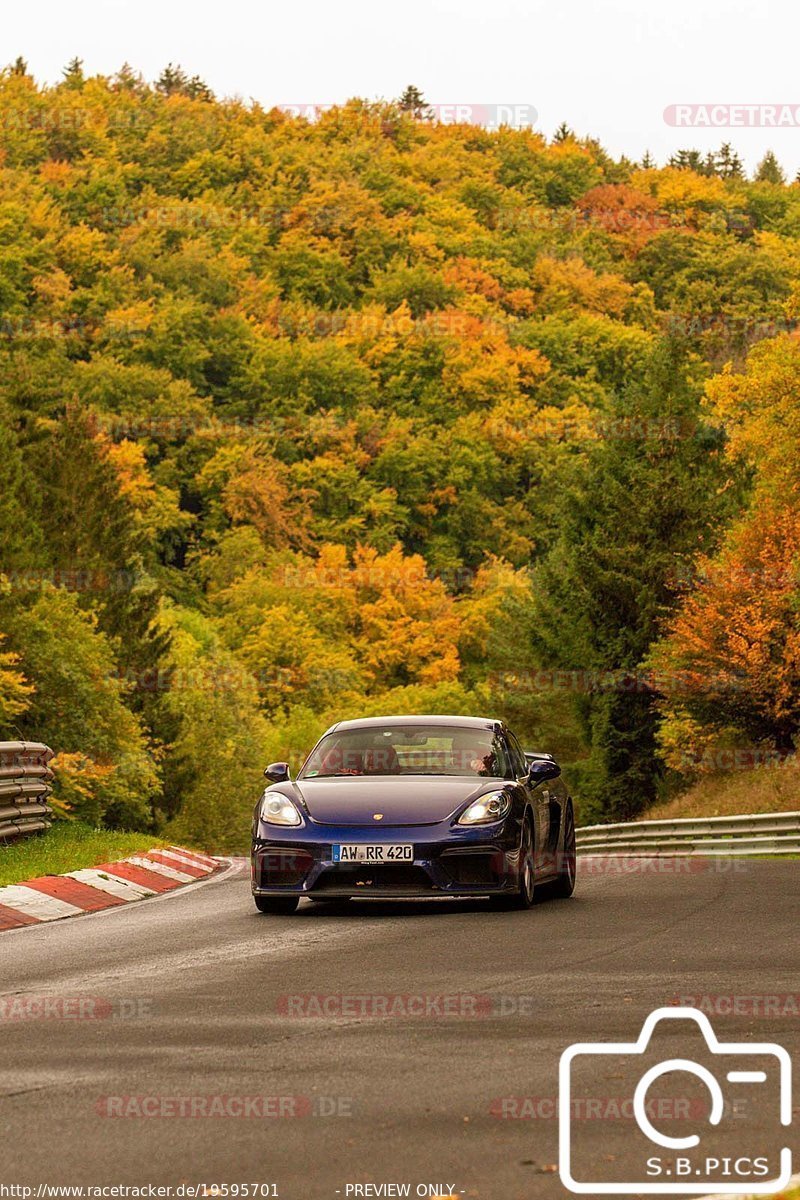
(735, 793)
(68, 846)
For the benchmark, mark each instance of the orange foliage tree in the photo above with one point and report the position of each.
(729, 666)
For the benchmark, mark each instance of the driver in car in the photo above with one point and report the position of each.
(479, 759)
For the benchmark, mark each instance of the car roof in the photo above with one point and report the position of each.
(417, 719)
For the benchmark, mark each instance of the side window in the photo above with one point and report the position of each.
(520, 767)
(503, 762)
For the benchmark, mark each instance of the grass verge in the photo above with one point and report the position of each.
(735, 793)
(68, 846)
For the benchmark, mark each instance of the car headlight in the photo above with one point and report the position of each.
(491, 807)
(277, 809)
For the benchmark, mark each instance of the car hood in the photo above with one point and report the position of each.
(409, 800)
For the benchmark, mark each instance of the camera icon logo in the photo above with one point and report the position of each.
(734, 1079)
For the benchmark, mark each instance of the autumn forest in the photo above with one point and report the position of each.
(305, 419)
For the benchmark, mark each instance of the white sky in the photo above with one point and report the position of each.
(609, 69)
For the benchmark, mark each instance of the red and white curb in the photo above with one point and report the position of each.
(53, 897)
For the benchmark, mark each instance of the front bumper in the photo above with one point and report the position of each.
(449, 861)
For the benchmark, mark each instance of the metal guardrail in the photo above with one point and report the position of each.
(760, 833)
(24, 787)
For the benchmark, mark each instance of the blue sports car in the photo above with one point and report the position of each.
(398, 807)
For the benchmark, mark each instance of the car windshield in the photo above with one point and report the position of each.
(407, 750)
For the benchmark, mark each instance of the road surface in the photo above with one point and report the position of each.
(192, 1000)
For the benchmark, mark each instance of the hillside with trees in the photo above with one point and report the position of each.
(369, 414)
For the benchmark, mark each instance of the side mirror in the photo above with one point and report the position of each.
(277, 772)
(540, 769)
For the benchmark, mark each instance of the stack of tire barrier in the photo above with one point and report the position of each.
(24, 787)
(759, 833)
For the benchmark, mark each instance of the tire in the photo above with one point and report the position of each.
(563, 887)
(279, 906)
(524, 896)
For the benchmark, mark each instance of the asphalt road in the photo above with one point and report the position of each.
(190, 1005)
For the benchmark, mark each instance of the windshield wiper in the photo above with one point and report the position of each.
(439, 774)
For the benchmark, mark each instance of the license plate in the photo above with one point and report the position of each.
(381, 853)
